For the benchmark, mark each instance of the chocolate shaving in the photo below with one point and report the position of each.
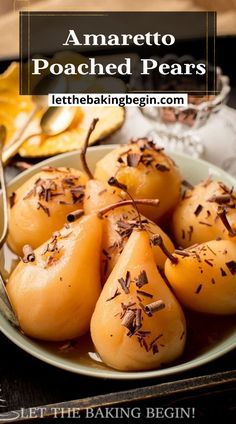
(213, 281)
(124, 287)
(225, 188)
(102, 191)
(120, 160)
(161, 167)
(76, 198)
(231, 266)
(141, 333)
(211, 250)
(75, 215)
(155, 349)
(199, 288)
(143, 293)
(63, 202)
(187, 184)
(147, 159)
(49, 169)
(127, 279)
(128, 319)
(44, 208)
(114, 182)
(154, 345)
(79, 189)
(50, 260)
(190, 232)
(133, 159)
(223, 273)
(208, 262)
(222, 214)
(144, 344)
(205, 223)
(117, 293)
(185, 195)
(138, 323)
(105, 253)
(29, 255)
(28, 194)
(220, 199)
(207, 182)
(198, 210)
(69, 181)
(12, 199)
(142, 279)
(154, 307)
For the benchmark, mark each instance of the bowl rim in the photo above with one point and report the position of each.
(37, 350)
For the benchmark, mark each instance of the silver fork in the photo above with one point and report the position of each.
(5, 304)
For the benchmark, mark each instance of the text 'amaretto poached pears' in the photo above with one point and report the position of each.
(54, 296)
(196, 220)
(146, 172)
(40, 206)
(204, 277)
(137, 323)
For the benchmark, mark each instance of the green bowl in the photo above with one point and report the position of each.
(219, 336)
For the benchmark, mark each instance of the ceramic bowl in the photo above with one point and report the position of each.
(218, 338)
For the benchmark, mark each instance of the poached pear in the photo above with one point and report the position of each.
(40, 206)
(146, 171)
(118, 225)
(137, 323)
(54, 295)
(196, 220)
(203, 277)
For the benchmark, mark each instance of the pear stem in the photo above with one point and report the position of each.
(147, 202)
(75, 215)
(114, 182)
(222, 215)
(157, 240)
(84, 149)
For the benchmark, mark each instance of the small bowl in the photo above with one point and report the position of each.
(200, 107)
(87, 362)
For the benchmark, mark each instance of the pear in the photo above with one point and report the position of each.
(146, 172)
(118, 224)
(196, 219)
(40, 206)
(98, 195)
(137, 323)
(54, 295)
(203, 277)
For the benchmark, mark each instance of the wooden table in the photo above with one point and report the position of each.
(26, 382)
